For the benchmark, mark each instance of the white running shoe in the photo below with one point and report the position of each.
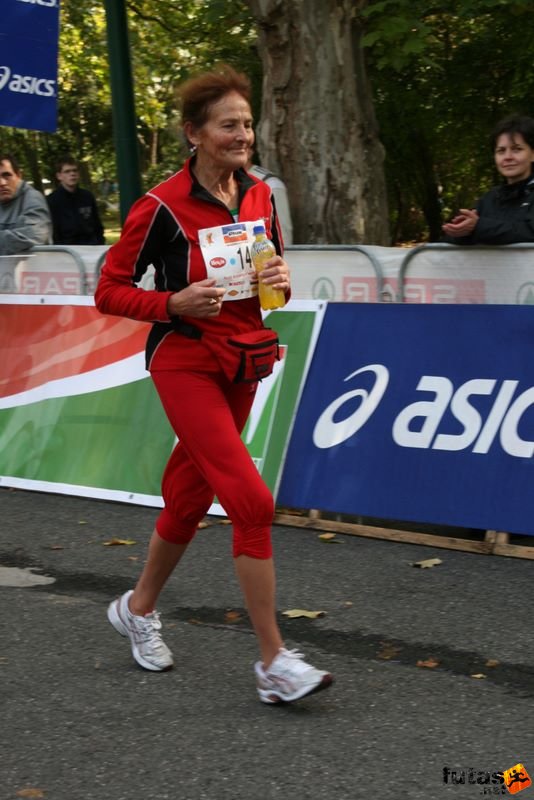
(289, 678)
(148, 648)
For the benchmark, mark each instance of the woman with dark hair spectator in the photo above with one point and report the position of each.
(196, 228)
(505, 215)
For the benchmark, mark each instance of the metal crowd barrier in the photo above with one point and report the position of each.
(349, 273)
(29, 273)
(338, 273)
(429, 273)
(50, 269)
(448, 273)
(98, 265)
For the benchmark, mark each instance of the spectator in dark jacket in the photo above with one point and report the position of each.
(74, 211)
(505, 215)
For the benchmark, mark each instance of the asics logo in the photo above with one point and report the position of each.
(329, 432)
(47, 3)
(26, 84)
(5, 74)
(484, 411)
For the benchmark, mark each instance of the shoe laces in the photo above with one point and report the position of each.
(149, 628)
(291, 661)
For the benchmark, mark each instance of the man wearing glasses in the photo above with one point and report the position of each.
(75, 216)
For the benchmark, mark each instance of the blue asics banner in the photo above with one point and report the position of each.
(29, 33)
(422, 413)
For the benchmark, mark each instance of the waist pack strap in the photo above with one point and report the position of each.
(191, 331)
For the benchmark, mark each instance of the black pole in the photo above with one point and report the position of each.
(122, 100)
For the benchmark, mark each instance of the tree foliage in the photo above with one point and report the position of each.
(443, 75)
(168, 41)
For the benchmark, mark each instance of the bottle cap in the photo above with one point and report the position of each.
(258, 229)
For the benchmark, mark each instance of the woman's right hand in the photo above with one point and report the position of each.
(463, 223)
(202, 299)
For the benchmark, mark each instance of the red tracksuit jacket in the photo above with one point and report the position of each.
(162, 229)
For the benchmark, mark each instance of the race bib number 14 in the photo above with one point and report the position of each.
(226, 253)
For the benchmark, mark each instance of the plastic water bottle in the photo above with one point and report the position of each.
(261, 251)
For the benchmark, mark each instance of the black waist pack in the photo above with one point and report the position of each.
(244, 357)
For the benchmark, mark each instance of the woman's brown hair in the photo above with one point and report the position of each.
(199, 93)
(512, 125)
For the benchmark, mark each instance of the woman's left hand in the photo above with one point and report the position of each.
(276, 274)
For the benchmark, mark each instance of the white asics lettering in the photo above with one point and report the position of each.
(26, 84)
(477, 423)
(47, 3)
(504, 415)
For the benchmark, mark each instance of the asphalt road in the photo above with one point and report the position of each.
(79, 721)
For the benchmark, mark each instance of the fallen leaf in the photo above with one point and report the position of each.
(225, 522)
(202, 525)
(30, 793)
(133, 558)
(232, 616)
(56, 547)
(388, 651)
(430, 663)
(293, 613)
(348, 603)
(113, 542)
(331, 539)
(479, 675)
(492, 662)
(427, 563)
(82, 522)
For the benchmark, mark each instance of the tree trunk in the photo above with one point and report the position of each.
(318, 129)
(427, 190)
(29, 141)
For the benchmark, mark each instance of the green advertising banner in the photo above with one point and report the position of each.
(79, 414)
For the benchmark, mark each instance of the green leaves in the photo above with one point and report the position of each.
(443, 74)
(167, 40)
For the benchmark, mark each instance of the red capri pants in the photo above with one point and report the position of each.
(207, 414)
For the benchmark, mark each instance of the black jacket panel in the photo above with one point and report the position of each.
(75, 217)
(506, 216)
